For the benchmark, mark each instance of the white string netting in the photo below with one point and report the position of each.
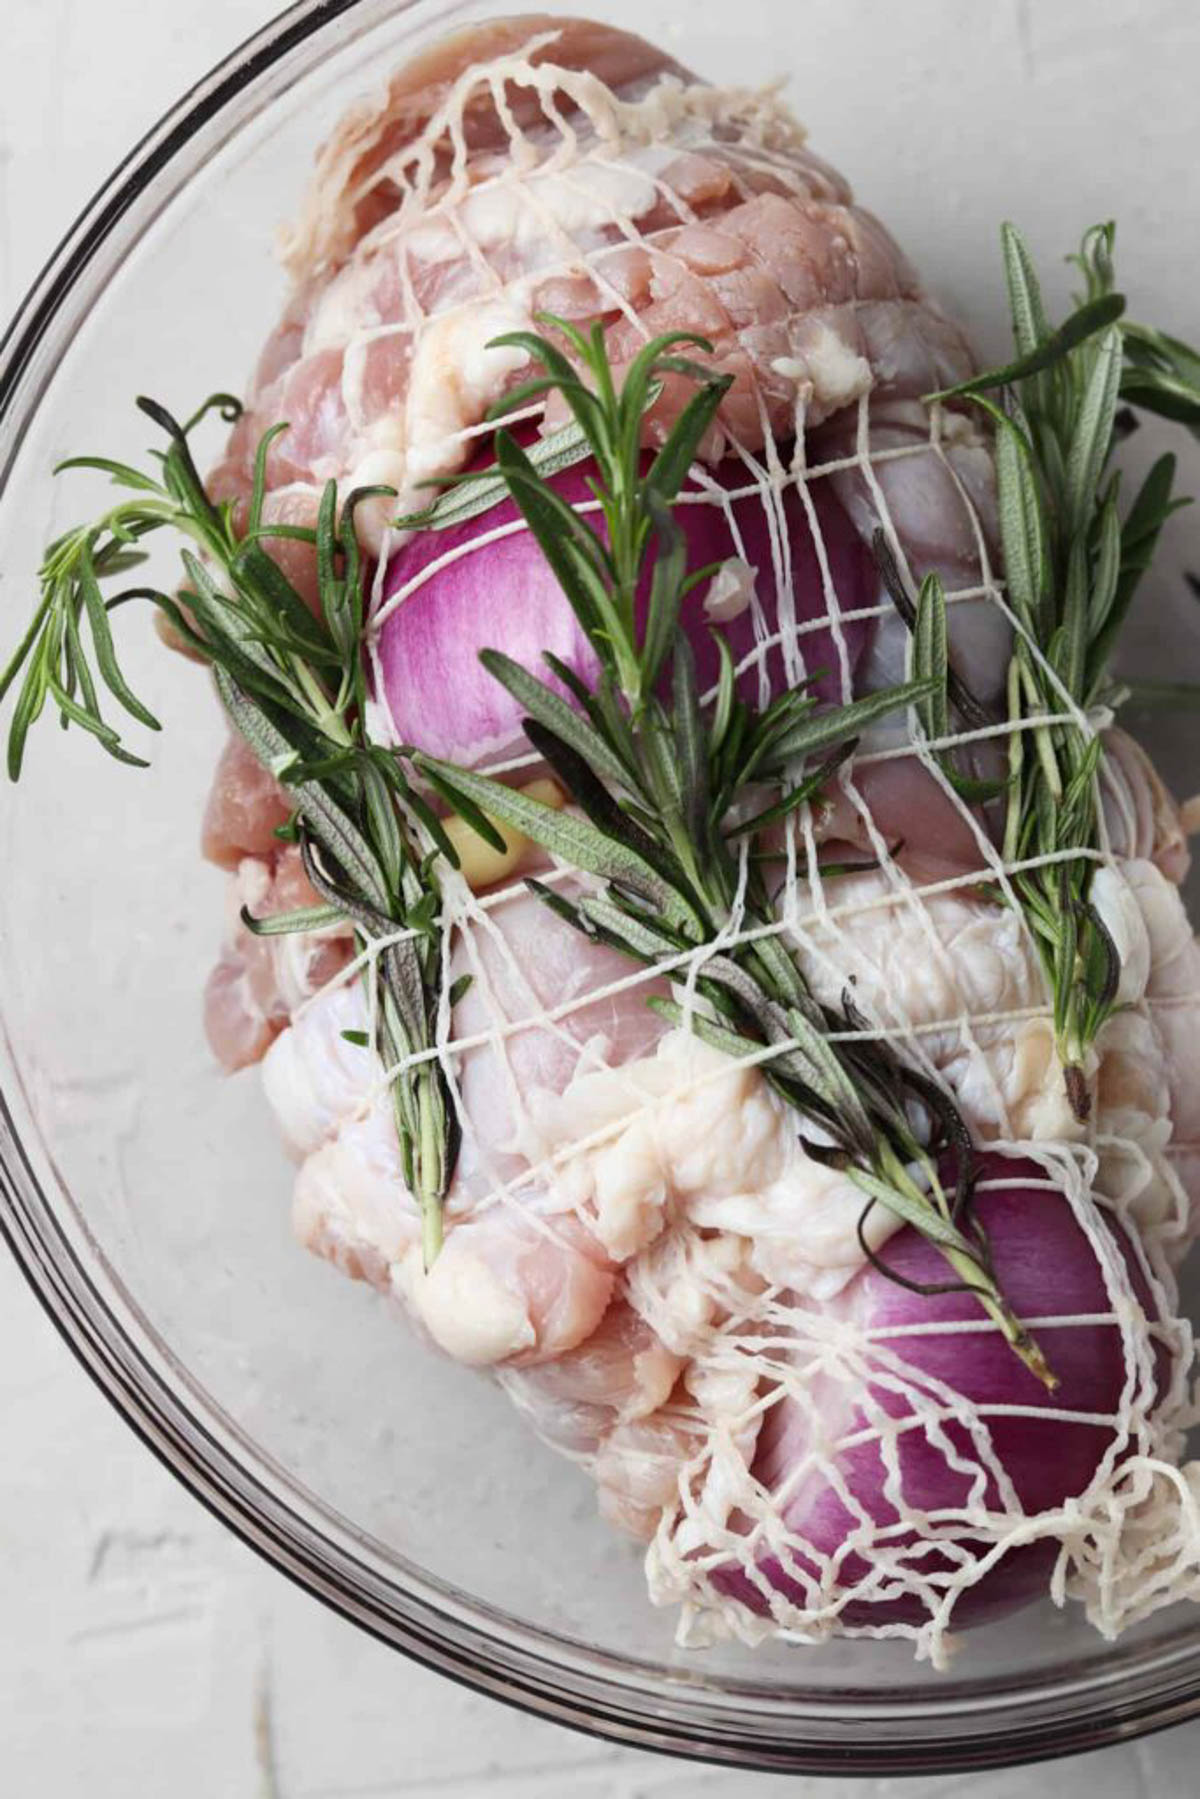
(736, 1403)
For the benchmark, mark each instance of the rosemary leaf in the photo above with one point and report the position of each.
(258, 489)
(591, 795)
(640, 937)
(821, 729)
(28, 709)
(285, 924)
(690, 746)
(572, 841)
(1106, 574)
(931, 657)
(122, 473)
(386, 837)
(666, 592)
(1031, 327)
(469, 496)
(1022, 524)
(572, 549)
(1044, 352)
(717, 1036)
(669, 470)
(908, 1204)
(799, 795)
(552, 711)
(459, 989)
(106, 660)
(1091, 442)
(1072, 640)
(454, 796)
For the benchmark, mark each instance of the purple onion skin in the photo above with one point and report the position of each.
(504, 596)
(1047, 1269)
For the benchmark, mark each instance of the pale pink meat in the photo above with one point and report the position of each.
(239, 1033)
(351, 1202)
(1143, 817)
(353, 188)
(258, 981)
(534, 971)
(622, 1371)
(760, 249)
(805, 297)
(636, 1470)
(244, 808)
(927, 831)
(607, 1403)
(551, 1269)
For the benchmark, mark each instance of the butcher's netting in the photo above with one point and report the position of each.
(751, 1389)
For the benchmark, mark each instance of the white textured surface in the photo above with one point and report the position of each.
(142, 1650)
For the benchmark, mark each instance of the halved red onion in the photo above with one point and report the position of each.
(1049, 1270)
(486, 584)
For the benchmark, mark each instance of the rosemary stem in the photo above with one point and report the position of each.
(1021, 1340)
(431, 1228)
(681, 841)
(629, 679)
(430, 1180)
(1071, 1048)
(969, 1268)
(1016, 763)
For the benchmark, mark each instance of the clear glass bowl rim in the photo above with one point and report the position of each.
(849, 1732)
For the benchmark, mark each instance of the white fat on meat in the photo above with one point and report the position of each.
(314, 1077)
(512, 1284)
(943, 970)
(261, 980)
(949, 976)
(653, 1199)
(827, 371)
(683, 1168)
(540, 1280)
(350, 1203)
(688, 1135)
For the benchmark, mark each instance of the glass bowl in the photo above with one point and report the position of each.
(146, 1197)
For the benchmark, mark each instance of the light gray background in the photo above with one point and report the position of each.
(143, 1652)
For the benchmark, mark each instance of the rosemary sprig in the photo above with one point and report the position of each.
(469, 495)
(669, 795)
(293, 684)
(1073, 558)
(678, 803)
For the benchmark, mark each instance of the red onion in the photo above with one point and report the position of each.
(1048, 1269)
(468, 589)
